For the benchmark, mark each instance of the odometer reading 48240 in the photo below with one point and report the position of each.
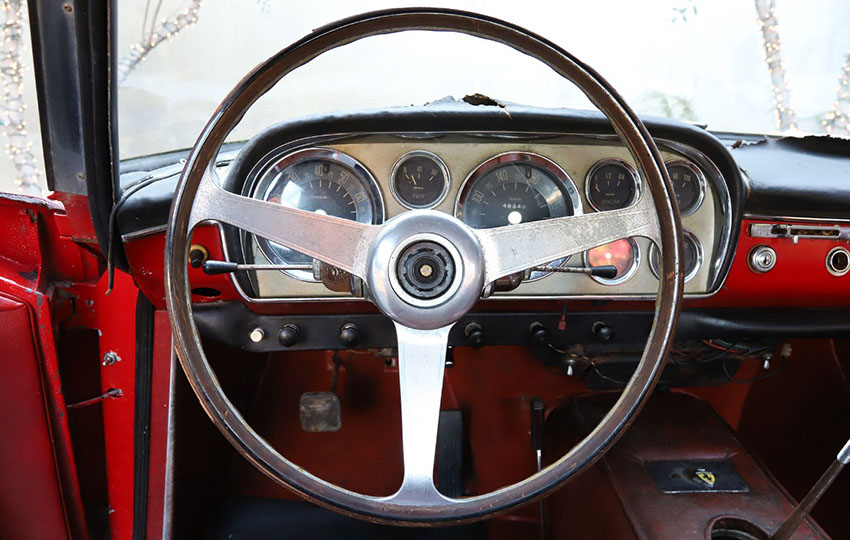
(517, 187)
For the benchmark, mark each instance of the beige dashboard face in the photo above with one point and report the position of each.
(462, 154)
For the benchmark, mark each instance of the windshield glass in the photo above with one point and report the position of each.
(751, 66)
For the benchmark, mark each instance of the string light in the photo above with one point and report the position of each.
(167, 29)
(786, 118)
(838, 119)
(12, 109)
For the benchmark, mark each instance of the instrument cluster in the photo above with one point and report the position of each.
(492, 182)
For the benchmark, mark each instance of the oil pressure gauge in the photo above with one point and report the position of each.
(419, 179)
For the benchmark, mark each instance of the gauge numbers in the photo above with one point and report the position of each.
(517, 187)
(688, 185)
(323, 181)
(419, 179)
(611, 184)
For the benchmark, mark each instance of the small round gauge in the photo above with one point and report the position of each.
(419, 179)
(611, 184)
(693, 256)
(517, 187)
(688, 185)
(623, 254)
(318, 180)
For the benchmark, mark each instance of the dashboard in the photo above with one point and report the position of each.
(488, 180)
(752, 184)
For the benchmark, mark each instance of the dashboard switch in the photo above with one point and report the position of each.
(538, 333)
(198, 255)
(602, 331)
(288, 335)
(474, 333)
(349, 335)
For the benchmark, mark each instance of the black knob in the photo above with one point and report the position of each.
(474, 333)
(288, 335)
(602, 331)
(197, 256)
(349, 335)
(538, 333)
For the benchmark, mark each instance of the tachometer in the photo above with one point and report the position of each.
(323, 181)
(517, 187)
(611, 184)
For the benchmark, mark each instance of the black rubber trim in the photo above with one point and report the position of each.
(141, 443)
(74, 65)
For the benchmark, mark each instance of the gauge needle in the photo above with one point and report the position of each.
(410, 176)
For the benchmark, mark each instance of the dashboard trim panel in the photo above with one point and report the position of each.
(702, 161)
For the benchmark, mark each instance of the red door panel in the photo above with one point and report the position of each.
(30, 495)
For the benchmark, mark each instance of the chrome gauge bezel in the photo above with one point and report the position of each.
(625, 277)
(700, 179)
(437, 161)
(636, 178)
(565, 182)
(654, 253)
(262, 183)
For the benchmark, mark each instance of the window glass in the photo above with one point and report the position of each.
(21, 163)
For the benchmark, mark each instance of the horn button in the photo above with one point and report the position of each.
(425, 280)
(425, 270)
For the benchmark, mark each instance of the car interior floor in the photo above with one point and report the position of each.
(763, 437)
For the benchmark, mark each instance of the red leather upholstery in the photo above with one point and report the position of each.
(30, 498)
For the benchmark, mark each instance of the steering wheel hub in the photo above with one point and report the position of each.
(426, 270)
(427, 280)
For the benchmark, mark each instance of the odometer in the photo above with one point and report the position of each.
(517, 187)
(611, 184)
(318, 180)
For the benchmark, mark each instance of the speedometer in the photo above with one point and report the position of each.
(320, 180)
(517, 187)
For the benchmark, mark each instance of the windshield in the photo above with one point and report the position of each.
(751, 66)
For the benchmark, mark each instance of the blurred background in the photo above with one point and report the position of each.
(754, 66)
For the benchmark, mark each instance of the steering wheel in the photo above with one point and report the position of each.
(377, 253)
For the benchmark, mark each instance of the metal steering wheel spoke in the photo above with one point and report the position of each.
(336, 241)
(421, 366)
(380, 254)
(515, 248)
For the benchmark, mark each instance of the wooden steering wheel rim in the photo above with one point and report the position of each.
(187, 341)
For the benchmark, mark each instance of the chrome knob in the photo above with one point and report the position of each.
(762, 259)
